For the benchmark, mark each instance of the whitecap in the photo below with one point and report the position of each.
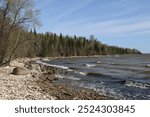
(90, 65)
(148, 65)
(82, 73)
(50, 65)
(66, 77)
(99, 62)
(141, 85)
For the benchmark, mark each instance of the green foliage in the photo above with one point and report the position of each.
(15, 16)
(15, 41)
(51, 44)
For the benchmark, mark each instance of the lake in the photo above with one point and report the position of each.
(117, 76)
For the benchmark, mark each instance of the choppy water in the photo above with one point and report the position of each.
(121, 77)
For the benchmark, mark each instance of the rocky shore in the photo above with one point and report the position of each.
(24, 79)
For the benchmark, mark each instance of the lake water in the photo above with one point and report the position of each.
(118, 76)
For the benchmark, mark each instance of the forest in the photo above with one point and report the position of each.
(19, 38)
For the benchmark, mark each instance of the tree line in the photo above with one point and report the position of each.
(17, 16)
(51, 44)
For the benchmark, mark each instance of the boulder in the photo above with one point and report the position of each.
(20, 71)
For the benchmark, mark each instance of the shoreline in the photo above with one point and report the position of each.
(92, 56)
(39, 84)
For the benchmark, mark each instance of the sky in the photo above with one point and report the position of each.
(123, 23)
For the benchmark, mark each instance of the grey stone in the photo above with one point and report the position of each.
(20, 71)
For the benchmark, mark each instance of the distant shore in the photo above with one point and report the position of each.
(39, 84)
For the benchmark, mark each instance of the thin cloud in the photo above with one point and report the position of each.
(42, 3)
(110, 27)
(123, 20)
(75, 8)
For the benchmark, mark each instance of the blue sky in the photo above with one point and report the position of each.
(124, 23)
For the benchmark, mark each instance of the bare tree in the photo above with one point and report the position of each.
(14, 15)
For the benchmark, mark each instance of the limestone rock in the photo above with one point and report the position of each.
(20, 71)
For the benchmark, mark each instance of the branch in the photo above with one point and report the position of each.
(4, 14)
(8, 61)
(17, 13)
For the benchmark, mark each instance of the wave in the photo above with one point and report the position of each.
(82, 73)
(98, 62)
(74, 68)
(117, 56)
(69, 69)
(138, 84)
(90, 65)
(146, 72)
(97, 74)
(113, 63)
(50, 65)
(148, 65)
(66, 77)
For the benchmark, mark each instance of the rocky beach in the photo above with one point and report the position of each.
(24, 79)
